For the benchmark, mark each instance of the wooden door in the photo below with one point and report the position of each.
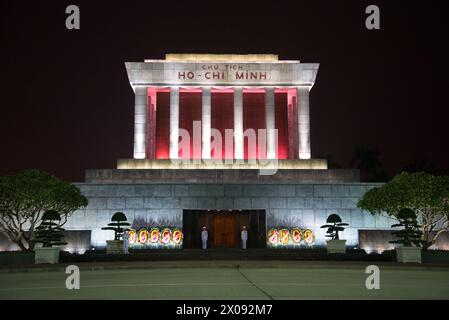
(225, 230)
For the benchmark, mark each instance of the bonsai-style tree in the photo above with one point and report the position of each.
(427, 195)
(334, 226)
(117, 225)
(25, 197)
(410, 234)
(49, 233)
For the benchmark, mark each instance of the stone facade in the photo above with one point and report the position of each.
(304, 205)
(242, 74)
(220, 176)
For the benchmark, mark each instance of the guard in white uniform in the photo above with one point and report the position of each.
(204, 237)
(244, 235)
(126, 241)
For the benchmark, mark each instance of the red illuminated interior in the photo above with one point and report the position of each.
(190, 105)
(163, 125)
(281, 124)
(222, 117)
(151, 123)
(253, 118)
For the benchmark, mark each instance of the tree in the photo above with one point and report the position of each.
(334, 226)
(25, 197)
(117, 224)
(427, 195)
(410, 232)
(366, 159)
(422, 165)
(49, 233)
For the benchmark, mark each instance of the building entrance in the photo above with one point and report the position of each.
(224, 228)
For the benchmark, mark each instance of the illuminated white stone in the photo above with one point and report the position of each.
(229, 73)
(174, 122)
(140, 105)
(220, 57)
(133, 164)
(238, 123)
(269, 122)
(304, 123)
(206, 123)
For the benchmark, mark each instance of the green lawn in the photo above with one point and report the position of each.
(309, 282)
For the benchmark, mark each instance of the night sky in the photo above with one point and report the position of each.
(66, 103)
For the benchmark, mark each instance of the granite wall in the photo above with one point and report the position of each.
(301, 205)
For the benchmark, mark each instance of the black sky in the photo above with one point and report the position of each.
(66, 104)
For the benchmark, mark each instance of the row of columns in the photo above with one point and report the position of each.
(140, 122)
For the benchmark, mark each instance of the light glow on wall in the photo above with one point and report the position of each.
(297, 164)
(221, 57)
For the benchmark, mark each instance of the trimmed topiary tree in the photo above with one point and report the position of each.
(49, 233)
(410, 234)
(118, 225)
(334, 226)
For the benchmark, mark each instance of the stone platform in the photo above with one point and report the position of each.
(221, 176)
(229, 164)
(229, 254)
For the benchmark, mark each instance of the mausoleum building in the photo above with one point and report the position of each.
(223, 141)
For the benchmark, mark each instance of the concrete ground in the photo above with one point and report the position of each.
(227, 280)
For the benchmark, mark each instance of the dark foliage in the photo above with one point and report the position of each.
(334, 226)
(118, 225)
(411, 233)
(49, 233)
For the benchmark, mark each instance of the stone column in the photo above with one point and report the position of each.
(238, 123)
(269, 123)
(140, 120)
(206, 123)
(304, 123)
(293, 141)
(174, 122)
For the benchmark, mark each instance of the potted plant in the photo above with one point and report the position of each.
(334, 225)
(118, 224)
(50, 234)
(409, 236)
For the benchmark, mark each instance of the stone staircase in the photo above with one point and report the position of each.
(227, 254)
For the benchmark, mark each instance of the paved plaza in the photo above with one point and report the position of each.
(227, 280)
